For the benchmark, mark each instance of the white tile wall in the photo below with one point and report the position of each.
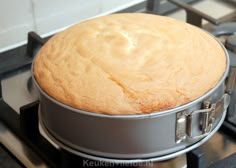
(15, 21)
(59, 13)
(17, 17)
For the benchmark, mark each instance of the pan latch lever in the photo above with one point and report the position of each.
(189, 124)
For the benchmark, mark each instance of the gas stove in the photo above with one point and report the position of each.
(23, 142)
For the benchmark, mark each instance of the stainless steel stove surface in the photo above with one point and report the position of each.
(24, 143)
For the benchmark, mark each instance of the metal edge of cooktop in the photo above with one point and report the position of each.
(19, 149)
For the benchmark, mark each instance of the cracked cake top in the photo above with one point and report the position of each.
(129, 64)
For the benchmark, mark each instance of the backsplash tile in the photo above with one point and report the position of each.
(16, 20)
(18, 17)
(107, 5)
(60, 13)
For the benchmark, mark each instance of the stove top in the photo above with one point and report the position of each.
(25, 144)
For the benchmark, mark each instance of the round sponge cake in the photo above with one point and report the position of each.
(129, 64)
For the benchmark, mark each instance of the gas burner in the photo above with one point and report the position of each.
(228, 28)
(231, 43)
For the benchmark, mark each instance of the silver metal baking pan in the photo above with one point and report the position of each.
(135, 136)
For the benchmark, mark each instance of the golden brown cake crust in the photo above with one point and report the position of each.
(129, 64)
